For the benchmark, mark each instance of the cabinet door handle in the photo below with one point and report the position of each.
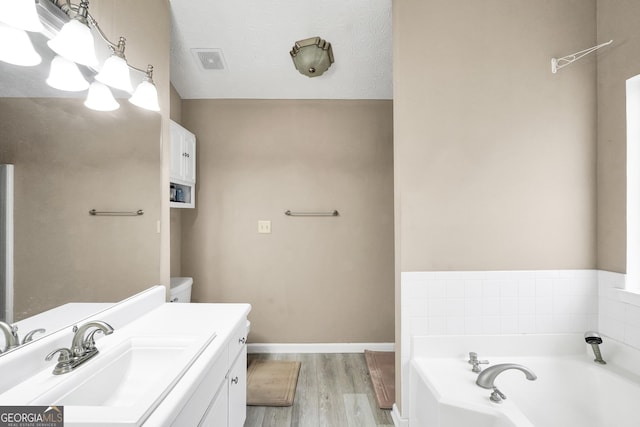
(242, 340)
(234, 380)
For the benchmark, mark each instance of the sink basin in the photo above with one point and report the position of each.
(124, 384)
(138, 364)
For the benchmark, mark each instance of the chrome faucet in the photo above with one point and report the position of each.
(82, 348)
(487, 378)
(595, 340)
(80, 345)
(10, 335)
(29, 337)
(475, 363)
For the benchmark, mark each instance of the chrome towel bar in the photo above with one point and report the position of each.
(333, 213)
(111, 213)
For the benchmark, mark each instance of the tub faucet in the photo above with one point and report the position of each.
(487, 378)
(595, 340)
(11, 339)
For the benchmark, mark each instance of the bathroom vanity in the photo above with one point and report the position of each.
(164, 365)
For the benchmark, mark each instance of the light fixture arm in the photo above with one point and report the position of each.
(558, 63)
(113, 46)
(82, 11)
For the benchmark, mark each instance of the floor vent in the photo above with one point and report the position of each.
(210, 59)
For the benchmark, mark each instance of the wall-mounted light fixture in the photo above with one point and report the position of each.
(70, 28)
(312, 57)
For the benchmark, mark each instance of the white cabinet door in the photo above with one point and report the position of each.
(176, 151)
(238, 390)
(189, 147)
(183, 154)
(217, 415)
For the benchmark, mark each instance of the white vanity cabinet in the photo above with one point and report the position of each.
(221, 397)
(237, 381)
(237, 377)
(178, 365)
(182, 169)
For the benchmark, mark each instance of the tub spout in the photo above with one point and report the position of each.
(595, 340)
(487, 378)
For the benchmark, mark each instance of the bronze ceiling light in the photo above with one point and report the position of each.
(312, 57)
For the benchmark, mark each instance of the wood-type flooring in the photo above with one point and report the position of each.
(334, 390)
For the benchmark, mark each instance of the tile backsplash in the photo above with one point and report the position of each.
(499, 302)
(619, 315)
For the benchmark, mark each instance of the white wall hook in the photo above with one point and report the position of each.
(558, 63)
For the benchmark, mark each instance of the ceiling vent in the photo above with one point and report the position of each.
(210, 59)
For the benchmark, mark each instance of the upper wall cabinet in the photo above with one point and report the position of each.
(183, 167)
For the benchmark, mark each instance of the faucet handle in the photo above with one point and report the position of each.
(65, 355)
(64, 360)
(29, 337)
(497, 396)
(473, 360)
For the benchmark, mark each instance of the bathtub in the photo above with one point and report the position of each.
(571, 390)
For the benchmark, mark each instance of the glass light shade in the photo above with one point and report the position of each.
(16, 47)
(115, 73)
(312, 57)
(100, 98)
(75, 42)
(146, 96)
(65, 75)
(20, 14)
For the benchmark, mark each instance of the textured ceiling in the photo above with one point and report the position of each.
(255, 37)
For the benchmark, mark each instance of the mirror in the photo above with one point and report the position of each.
(68, 160)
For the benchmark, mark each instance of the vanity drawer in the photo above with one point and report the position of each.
(196, 407)
(238, 340)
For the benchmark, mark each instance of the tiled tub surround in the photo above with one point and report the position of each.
(494, 302)
(619, 311)
(499, 302)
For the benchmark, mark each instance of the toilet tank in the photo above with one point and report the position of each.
(180, 289)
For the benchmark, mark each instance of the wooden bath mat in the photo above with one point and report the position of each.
(382, 369)
(272, 382)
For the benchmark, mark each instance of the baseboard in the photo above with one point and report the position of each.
(319, 347)
(398, 421)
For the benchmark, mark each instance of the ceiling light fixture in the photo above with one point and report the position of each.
(312, 57)
(70, 28)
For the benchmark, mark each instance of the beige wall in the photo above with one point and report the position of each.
(617, 20)
(312, 279)
(495, 157)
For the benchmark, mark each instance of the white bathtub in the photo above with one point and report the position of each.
(571, 390)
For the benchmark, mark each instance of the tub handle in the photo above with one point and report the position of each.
(473, 360)
(497, 396)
